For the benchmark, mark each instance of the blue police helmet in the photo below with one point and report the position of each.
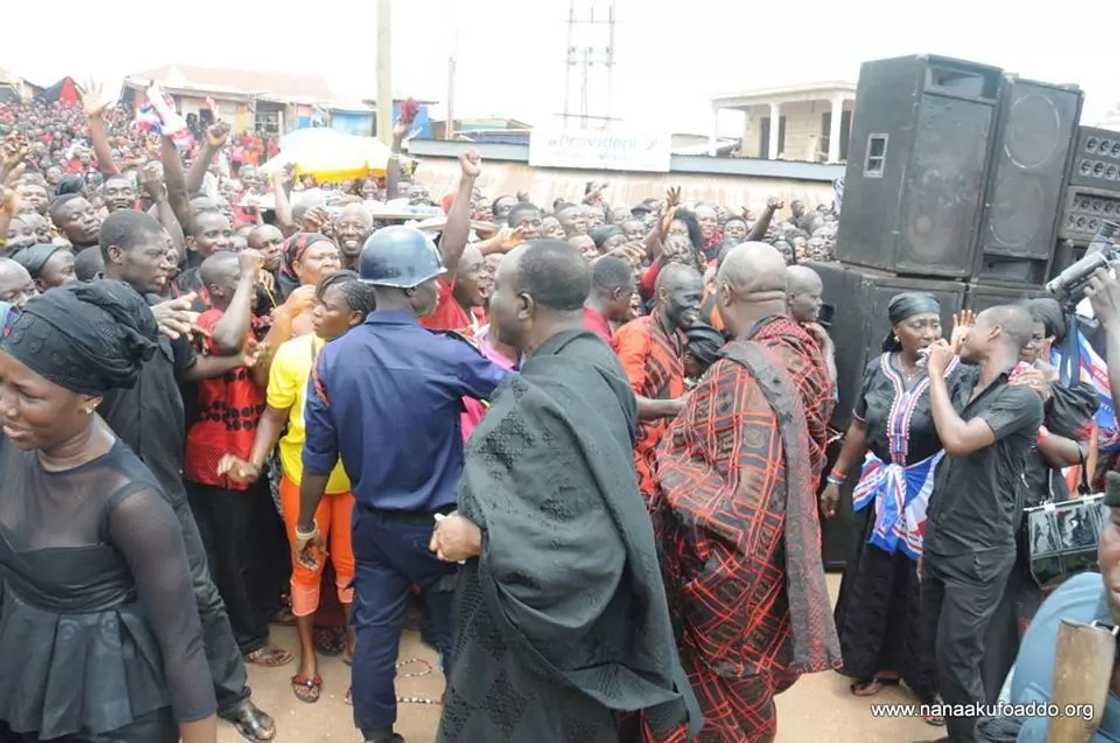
(399, 256)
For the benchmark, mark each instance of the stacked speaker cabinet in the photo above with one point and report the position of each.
(1033, 145)
(981, 296)
(917, 165)
(1093, 193)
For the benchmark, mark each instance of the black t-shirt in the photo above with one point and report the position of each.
(150, 417)
(977, 499)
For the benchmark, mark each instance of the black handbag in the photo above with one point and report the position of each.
(1062, 537)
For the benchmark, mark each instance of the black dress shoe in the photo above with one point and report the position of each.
(387, 736)
(253, 724)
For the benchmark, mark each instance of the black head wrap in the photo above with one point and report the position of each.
(704, 343)
(71, 184)
(1049, 312)
(35, 257)
(904, 306)
(88, 338)
(604, 232)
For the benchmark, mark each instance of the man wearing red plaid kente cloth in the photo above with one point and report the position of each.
(735, 513)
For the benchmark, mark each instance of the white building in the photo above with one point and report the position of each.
(813, 121)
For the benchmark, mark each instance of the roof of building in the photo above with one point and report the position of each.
(278, 86)
(800, 91)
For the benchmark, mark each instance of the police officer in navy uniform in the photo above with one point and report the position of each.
(386, 398)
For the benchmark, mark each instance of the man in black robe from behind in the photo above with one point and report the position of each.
(561, 622)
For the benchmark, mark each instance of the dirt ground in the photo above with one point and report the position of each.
(818, 707)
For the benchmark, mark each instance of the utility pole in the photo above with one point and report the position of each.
(449, 130)
(384, 73)
(569, 59)
(587, 56)
(610, 60)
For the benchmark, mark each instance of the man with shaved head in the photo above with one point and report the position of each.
(969, 545)
(560, 615)
(16, 284)
(757, 269)
(651, 349)
(353, 226)
(735, 513)
(804, 293)
(804, 297)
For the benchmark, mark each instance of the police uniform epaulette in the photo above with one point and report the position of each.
(459, 337)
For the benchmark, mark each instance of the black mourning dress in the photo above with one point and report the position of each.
(880, 600)
(99, 630)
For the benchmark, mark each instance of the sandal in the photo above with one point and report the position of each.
(307, 689)
(329, 641)
(270, 656)
(866, 687)
(937, 721)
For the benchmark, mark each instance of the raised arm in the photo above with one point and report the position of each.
(216, 136)
(95, 104)
(177, 194)
(231, 331)
(283, 317)
(151, 180)
(101, 149)
(655, 240)
(393, 165)
(959, 437)
(284, 221)
(458, 228)
(9, 204)
(758, 231)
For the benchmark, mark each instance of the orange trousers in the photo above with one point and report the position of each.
(333, 520)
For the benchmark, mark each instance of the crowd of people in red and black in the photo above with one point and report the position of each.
(584, 441)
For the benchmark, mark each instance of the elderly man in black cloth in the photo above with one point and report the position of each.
(969, 544)
(560, 611)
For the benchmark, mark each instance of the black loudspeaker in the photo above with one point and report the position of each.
(981, 296)
(841, 533)
(860, 324)
(1085, 208)
(918, 164)
(1093, 194)
(1096, 163)
(1034, 139)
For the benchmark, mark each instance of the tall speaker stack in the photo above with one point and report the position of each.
(962, 177)
(960, 180)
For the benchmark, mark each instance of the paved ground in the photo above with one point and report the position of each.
(818, 707)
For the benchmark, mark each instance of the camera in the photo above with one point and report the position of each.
(1068, 287)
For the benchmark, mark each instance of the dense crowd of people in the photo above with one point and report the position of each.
(588, 445)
